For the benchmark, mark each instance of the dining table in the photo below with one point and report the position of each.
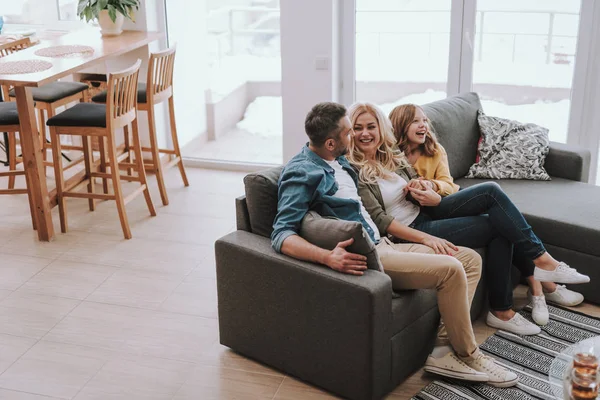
(95, 49)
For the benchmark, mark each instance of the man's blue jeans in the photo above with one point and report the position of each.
(484, 216)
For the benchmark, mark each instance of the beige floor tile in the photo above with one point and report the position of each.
(136, 288)
(96, 325)
(135, 377)
(138, 253)
(196, 296)
(74, 280)
(54, 369)
(219, 355)
(14, 395)
(173, 336)
(137, 331)
(206, 269)
(32, 315)
(5, 293)
(27, 243)
(11, 348)
(211, 383)
(15, 270)
(293, 389)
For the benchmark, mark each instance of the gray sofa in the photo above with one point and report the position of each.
(348, 334)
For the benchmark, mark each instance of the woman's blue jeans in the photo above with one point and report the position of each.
(484, 216)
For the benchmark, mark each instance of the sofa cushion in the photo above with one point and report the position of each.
(327, 232)
(454, 120)
(562, 212)
(510, 150)
(261, 198)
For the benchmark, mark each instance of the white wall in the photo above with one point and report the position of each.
(308, 33)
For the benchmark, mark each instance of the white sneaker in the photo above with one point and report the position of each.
(562, 273)
(453, 367)
(516, 324)
(564, 297)
(498, 376)
(539, 309)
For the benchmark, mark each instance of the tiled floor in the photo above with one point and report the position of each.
(92, 316)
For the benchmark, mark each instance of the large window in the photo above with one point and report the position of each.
(243, 96)
(402, 50)
(524, 57)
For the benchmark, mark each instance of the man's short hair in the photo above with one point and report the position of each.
(322, 122)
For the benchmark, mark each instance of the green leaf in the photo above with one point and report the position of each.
(102, 4)
(112, 13)
(81, 6)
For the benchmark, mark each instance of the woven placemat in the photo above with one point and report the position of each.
(24, 66)
(62, 51)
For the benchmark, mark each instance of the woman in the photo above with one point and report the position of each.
(457, 218)
(416, 139)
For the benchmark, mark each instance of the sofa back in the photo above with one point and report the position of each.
(454, 120)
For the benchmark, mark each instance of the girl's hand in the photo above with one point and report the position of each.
(426, 198)
(440, 246)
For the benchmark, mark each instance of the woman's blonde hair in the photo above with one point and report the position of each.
(401, 117)
(387, 159)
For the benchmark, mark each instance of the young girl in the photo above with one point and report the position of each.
(480, 216)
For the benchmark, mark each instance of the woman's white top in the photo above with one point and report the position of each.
(394, 199)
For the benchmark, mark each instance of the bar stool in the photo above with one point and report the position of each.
(158, 88)
(102, 120)
(9, 123)
(46, 98)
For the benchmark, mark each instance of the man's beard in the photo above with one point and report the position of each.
(341, 152)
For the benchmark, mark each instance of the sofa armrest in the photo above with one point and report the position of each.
(568, 162)
(242, 218)
(325, 327)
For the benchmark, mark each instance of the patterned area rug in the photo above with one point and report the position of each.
(529, 357)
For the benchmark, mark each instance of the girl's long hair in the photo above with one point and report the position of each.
(388, 158)
(401, 117)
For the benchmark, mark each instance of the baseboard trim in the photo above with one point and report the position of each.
(237, 166)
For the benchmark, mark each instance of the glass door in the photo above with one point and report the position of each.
(524, 58)
(402, 50)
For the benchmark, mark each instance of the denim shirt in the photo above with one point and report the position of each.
(308, 183)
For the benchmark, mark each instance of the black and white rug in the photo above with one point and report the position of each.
(529, 357)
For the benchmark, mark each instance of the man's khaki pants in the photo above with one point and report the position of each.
(416, 266)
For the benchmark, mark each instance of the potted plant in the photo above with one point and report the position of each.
(109, 13)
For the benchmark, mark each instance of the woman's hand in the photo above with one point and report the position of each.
(440, 246)
(426, 197)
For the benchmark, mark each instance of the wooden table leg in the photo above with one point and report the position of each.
(33, 164)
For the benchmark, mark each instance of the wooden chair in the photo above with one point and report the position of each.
(158, 88)
(102, 121)
(47, 99)
(9, 123)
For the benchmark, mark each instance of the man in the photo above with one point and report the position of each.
(320, 178)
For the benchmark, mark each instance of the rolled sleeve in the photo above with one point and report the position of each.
(278, 239)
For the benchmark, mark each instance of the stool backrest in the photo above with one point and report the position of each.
(159, 83)
(9, 48)
(121, 97)
(14, 46)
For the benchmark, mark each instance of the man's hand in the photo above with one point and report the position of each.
(440, 246)
(426, 197)
(340, 260)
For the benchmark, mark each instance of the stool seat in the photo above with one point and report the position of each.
(81, 114)
(8, 113)
(141, 95)
(54, 91)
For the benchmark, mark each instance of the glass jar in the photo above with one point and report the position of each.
(584, 377)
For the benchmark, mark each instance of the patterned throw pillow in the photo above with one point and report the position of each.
(510, 150)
